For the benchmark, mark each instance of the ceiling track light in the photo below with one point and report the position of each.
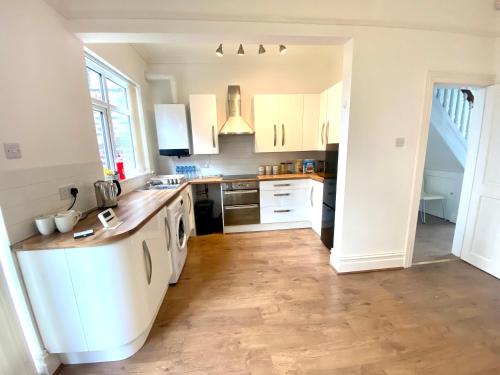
(261, 49)
(282, 49)
(241, 51)
(219, 51)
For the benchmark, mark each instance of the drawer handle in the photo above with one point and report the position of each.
(282, 195)
(281, 211)
(281, 185)
(241, 207)
(230, 192)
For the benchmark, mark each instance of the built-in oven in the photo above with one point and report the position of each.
(240, 202)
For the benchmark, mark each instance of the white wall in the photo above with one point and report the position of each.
(45, 108)
(439, 156)
(236, 156)
(255, 75)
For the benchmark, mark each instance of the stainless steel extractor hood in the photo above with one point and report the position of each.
(235, 123)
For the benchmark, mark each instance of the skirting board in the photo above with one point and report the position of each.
(270, 226)
(343, 264)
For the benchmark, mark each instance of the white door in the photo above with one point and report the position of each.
(203, 109)
(481, 246)
(265, 110)
(311, 124)
(334, 107)
(290, 122)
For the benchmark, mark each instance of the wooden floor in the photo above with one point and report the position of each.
(269, 303)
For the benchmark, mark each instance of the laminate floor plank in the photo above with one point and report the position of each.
(269, 303)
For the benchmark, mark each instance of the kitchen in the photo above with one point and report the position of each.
(231, 163)
(185, 271)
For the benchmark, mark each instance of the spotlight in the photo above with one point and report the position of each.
(261, 49)
(241, 52)
(282, 49)
(218, 51)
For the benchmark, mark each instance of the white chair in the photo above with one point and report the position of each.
(424, 197)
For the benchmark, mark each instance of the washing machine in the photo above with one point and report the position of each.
(177, 241)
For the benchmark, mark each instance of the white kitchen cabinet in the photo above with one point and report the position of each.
(329, 116)
(332, 130)
(311, 138)
(283, 201)
(278, 122)
(204, 128)
(316, 205)
(99, 303)
(187, 196)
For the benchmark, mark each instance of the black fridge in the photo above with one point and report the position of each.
(329, 194)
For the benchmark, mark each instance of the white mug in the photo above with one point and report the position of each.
(66, 221)
(45, 224)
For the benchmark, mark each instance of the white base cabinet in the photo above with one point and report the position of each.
(316, 205)
(283, 201)
(187, 196)
(98, 303)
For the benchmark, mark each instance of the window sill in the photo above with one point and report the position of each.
(136, 176)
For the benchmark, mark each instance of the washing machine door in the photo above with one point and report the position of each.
(180, 234)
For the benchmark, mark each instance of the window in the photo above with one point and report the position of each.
(114, 120)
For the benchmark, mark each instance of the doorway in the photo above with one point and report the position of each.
(452, 117)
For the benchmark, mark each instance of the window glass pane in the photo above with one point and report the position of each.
(117, 95)
(123, 140)
(94, 80)
(101, 137)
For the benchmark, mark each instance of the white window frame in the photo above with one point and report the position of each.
(105, 108)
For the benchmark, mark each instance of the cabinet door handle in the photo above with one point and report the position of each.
(213, 136)
(327, 130)
(147, 256)
(167, 226)
(275, 135)
(281, 185)
(323, 134)
(282, 134)
(282, 195)
(236, 192)
(190, 203)
(311, 196)
(281, 211)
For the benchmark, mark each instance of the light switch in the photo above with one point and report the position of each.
(400, 142)
(12, 150)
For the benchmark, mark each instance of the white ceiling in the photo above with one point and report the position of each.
(475, 16)
(205, 53)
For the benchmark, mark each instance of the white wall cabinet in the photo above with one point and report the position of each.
(99, 303)
(316, 205)
(278, 122)
(204, 128)
(330, 115)
(311, 128)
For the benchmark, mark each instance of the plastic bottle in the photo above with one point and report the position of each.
(120, 167)
(177, 169)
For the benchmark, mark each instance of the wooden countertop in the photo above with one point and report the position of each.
(289, 176)
(134, 209)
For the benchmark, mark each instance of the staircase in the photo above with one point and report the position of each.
(451, 117)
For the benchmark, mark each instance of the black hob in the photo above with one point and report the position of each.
(239, 177)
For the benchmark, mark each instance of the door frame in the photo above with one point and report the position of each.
(440, 78)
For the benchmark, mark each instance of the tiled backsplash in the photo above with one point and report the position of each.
(236, 156)
(27, 193)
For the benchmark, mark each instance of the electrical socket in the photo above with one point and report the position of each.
(64, 192)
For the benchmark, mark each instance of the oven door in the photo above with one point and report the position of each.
(239, 197)
(241, 214)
